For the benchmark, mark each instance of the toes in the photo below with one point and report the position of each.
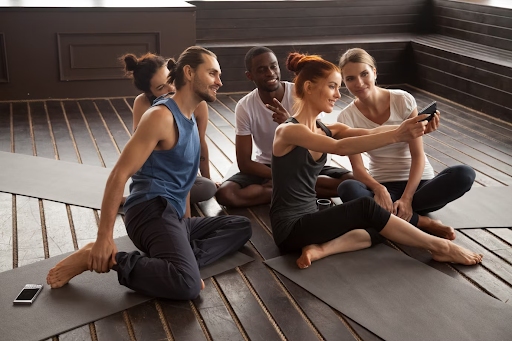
(301, 264)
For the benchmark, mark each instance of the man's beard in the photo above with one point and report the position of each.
(201, 90)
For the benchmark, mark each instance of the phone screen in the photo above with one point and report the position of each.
(27, 294)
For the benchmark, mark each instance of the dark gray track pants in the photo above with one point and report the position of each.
(174, 248)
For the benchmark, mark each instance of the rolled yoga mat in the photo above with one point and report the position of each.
(86, 298)
(61, 181)
(478, 208)
(398, 298)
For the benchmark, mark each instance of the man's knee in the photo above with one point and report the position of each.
(188, 288)
(226, 194)
(347, 176)
(240, 228)
(191, 291)
(245, 228)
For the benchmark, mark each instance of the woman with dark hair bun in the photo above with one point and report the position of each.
(300, 150)
(150, 75)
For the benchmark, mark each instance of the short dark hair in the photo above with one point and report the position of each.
(142, 69)
(192, 56)
(254, 52)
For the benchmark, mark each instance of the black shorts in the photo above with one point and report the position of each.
(245, 180)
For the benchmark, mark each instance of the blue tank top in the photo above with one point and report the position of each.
(169, 173)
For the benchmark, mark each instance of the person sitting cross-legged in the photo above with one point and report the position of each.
(400, 177)
(162, 157)
(256, 121)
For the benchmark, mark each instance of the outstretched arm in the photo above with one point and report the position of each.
(151, 130)
(342, 131)
(290, 135)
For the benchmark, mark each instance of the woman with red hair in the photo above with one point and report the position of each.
(300, 150)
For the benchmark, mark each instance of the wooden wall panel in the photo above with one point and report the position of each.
(477, 22)
(33, 54)
(392, 61)
(85, 56)
(252, 20)
(465, 79)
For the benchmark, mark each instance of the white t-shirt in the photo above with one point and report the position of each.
(392, 162)
(253, 118)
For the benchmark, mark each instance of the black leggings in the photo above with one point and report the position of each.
(326, 225)
(431, 195)
(174, 248)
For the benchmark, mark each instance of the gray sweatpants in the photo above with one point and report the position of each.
(174, 248)
(202, 190)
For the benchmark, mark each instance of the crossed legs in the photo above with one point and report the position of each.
(174, 249)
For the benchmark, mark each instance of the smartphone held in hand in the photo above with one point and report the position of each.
(429, 109)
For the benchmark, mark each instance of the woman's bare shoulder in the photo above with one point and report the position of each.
(142, 102)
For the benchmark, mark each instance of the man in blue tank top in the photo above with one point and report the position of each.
(162, 157)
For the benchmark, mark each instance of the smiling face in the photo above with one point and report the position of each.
(206, 79)
(325, 92)
(265, 72)
(158, 84)
(359, 79)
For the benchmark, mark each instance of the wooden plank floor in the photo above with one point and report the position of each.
(250, 302)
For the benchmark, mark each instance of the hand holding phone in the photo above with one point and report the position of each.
(430, 109)
(28, 294)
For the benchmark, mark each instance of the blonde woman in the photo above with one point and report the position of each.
(401, 179)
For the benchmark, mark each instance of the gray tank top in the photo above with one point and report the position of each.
(293, 186)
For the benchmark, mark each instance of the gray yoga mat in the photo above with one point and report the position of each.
(399, 298)
(480, 207)
(66, 182)
(88, 297)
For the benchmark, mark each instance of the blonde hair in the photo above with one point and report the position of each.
(356, 55)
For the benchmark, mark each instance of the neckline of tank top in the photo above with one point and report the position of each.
(172, 93)
(319, 124)
(161, 96)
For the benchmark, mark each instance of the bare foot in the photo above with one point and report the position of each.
(310, 254)
(436, 227)
(202, 285)
(69, 267)
(451, 252)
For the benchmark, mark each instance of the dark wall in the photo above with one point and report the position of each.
(72, 53)
(391, 56)
(259, 20)
(476, 22)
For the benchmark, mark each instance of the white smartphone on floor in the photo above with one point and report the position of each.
(28, 294)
